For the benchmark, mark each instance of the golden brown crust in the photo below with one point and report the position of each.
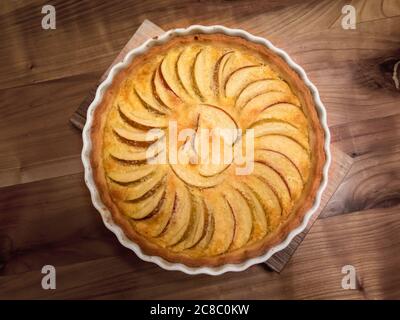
(249, 251)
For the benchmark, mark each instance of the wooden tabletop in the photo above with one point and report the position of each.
(46, 215)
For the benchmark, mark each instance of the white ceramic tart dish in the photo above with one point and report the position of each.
(201, 217)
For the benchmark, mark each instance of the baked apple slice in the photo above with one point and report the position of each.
(197, 222)
(136, 135)
(138, 189)
(204, 68)
(290, 148)
(142, 208)
(242, 77)
(133, 154)
(146, 97)
(210, 118)
(242, 216)
(169, 72)
(274, 127)
(277, 184)
(180, 218)
(190, 175)
(230, 62)
(286, 112)
(285, 167)
(268, 199)
(185, 71)
(259, 87)
(140, 118)
(208, 231)
(219, 72)
(224, 224)
(129, 94)
(258, 215)
(128, 174)
(164, 92)
(251, 110)
(144, 88)
(155, 224)
(126, 131)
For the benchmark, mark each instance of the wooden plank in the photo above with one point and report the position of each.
(341, 164)
(369, 241)
(61, 166)
(372, 182)
(359, 138)
(37, 141)
(51, 220)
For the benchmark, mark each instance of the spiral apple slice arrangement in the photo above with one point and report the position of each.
(205, 209)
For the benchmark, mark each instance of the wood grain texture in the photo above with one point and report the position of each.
(36, 141)
(46, 216)
(372, 182)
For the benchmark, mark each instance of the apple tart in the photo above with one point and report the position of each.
(205, 213)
